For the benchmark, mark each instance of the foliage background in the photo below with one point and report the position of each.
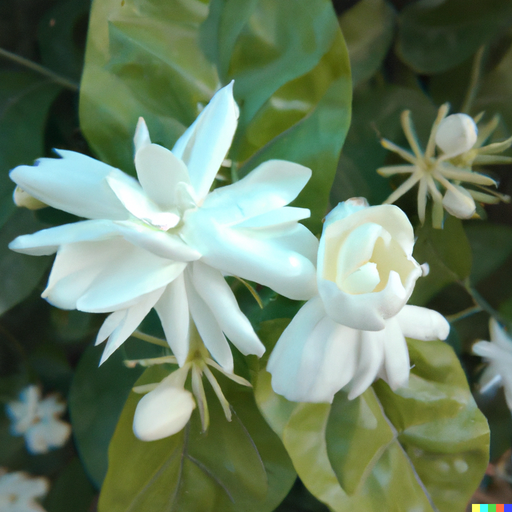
(404, 55)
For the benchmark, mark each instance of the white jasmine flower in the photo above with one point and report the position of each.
(441, 176)
(18, 492)
(38, 420)
(165, 242)
(498, 353)
(354, 330)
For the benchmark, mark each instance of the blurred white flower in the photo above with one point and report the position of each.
(38, 420)
(18, 492)
(498, 353)
(441, 176)
(165, 242)
(354, 330)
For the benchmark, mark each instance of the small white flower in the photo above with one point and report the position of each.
(38, 420)
(165, 242)
(498, 353)
(18, 492)
(354, 330)
(440, 176)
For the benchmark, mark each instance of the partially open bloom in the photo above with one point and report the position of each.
(441, 176)
(38, 420)
(19, 491)
(165, 242)
(354, 330)
(498, 353)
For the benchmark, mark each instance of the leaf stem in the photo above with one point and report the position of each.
(464, 313)
(474, 81)
(64, 82)
(481, 302)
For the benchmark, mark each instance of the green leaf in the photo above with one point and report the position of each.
(24, 102)
(448, 254)
(237, 465)
(292, 80)
(367, 43)
(435, 36)
(491, 245)
(96, 399)
(70, 491)
(376, 113)
(424, 447)
(19, 273)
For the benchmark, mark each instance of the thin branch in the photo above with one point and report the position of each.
(64, 82)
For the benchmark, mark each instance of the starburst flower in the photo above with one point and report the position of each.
(165, 242)
(354, 330)
(498, 354)
(19, 491)
(441, 176)
(38, 420)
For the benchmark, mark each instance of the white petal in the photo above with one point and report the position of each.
(47, 241)
(423, 324)
(459, 203)
(74, 183)
(346, 208)
(212, 287)
(159, 171)
(456, 134)
(131, 320)
(110, 324)
(396, 355)
(284, 263)
(172, 308)
(24, 199)
(371, 356)
(161, 243)
(270, 186)
(277, 219)
(499, 335)
(205, 144)
(162, 412)
(135, 200)
(46, 435)
(141, 137)
(209, 329)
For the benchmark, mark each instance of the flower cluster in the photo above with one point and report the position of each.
(461, 147)
(354, 330)
(18, 492)
(38, 420)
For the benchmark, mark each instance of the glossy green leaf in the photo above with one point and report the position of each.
(448, 254)
(292, 80)
(491, 245)
(423, 448)
(376, 113)
(367, 43)
(237, 465)
(96, 399)
(24, 102)
(435, 36)
(19, 273)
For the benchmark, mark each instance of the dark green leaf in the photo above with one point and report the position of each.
(448, 254)
(435, 36)
(24, 102)
(237, 465)
(19, 273)
(368, 29)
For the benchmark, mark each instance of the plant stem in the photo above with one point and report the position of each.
(64, 82)
(150, 339)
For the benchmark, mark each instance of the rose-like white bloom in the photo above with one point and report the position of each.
(498, 353)
(440, 176)
(354, 330)
(165, 242)
(38, 420)
(18, 492)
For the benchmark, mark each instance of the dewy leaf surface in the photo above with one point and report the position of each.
(237, 465)
(423, 448)
(164, 61)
